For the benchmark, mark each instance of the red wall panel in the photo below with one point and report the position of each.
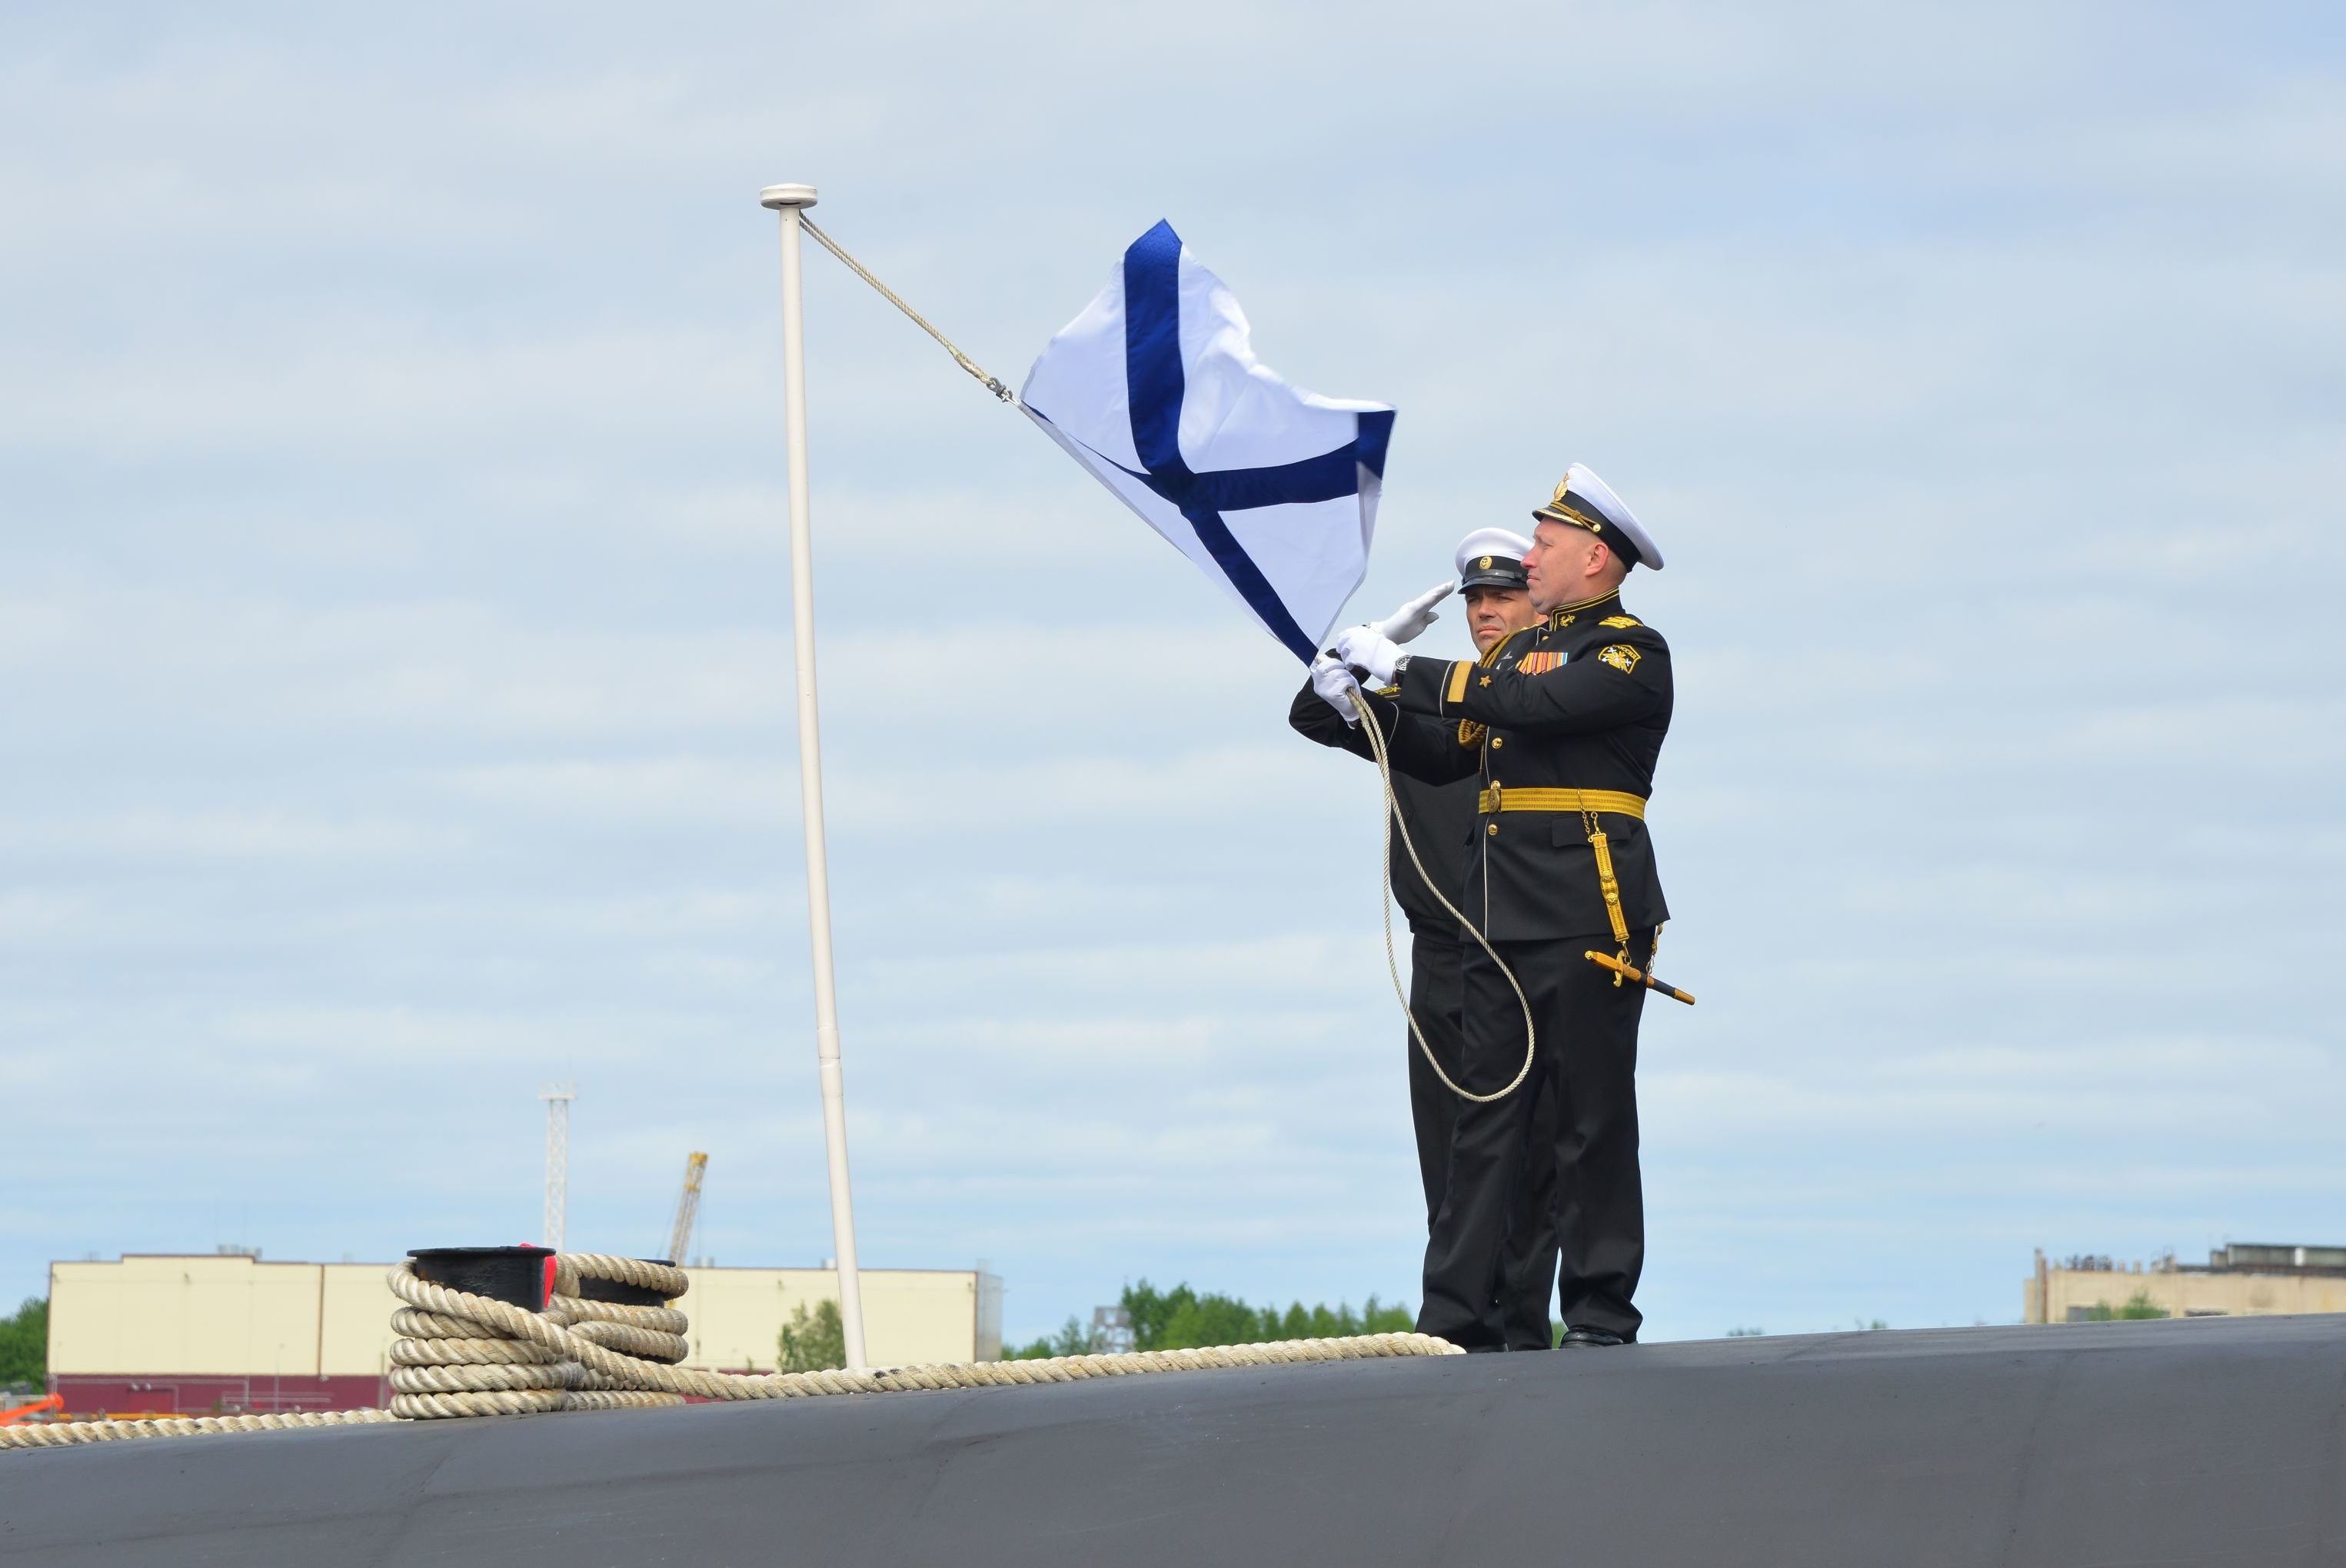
(169, 1394)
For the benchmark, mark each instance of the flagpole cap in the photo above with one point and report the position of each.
(779, 197)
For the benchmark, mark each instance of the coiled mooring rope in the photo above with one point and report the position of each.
(462, 1355)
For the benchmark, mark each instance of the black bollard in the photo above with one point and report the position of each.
(518, 1276)
(611, 1290)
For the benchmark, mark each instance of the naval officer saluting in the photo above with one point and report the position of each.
(1442, 820)
(1563, 726)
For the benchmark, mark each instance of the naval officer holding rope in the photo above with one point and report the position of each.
(1563, 726)
(1441, 819)
(1273, 490)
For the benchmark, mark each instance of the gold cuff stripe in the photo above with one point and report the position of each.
(1620, 802)
(1458, 674)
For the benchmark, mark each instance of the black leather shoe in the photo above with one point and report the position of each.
(1587, 1338)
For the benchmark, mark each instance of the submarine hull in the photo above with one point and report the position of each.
(2211, 1440)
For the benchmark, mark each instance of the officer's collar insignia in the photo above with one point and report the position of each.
(1563, 615)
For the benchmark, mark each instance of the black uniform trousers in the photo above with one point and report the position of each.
(1587, 1060)
(1526, 1273)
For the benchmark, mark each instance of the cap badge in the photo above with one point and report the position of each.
(1483, 565)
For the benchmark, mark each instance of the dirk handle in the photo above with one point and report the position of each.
(1631, 973)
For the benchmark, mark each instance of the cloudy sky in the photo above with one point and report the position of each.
(396, 653)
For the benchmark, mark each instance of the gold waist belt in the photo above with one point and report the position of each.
(1618, 801)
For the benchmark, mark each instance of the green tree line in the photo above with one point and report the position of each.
(1182, 1319)
(1176, 1319)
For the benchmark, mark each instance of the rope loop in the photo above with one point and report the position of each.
(1393, 964)
(991, 384)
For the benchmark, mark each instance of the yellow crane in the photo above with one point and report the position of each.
(687, 1209)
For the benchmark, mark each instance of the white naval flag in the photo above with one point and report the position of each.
(1270, 489)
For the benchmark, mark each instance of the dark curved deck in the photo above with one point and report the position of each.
(2208, 1441)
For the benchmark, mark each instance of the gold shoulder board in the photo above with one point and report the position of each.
(1620, 621)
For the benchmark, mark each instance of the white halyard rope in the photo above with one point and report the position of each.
(463, 1355)
(1393, 964)
(1376, 738)
(963, 360)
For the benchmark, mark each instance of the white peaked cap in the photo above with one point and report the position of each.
(1585, 501)
(1499, 542)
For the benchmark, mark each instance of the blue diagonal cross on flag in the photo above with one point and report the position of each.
(1273, 490)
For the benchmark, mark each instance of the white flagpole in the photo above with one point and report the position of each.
(789, 200)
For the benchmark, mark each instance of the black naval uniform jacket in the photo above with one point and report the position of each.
(1579, 703)
(1440, 817)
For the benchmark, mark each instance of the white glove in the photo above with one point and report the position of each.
(1405, 623)
(1335, 685)
(1369, 654)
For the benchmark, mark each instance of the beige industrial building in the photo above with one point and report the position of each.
(2239, 1280)
(230, 1333)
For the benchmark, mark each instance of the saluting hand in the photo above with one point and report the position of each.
(1405, 623)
